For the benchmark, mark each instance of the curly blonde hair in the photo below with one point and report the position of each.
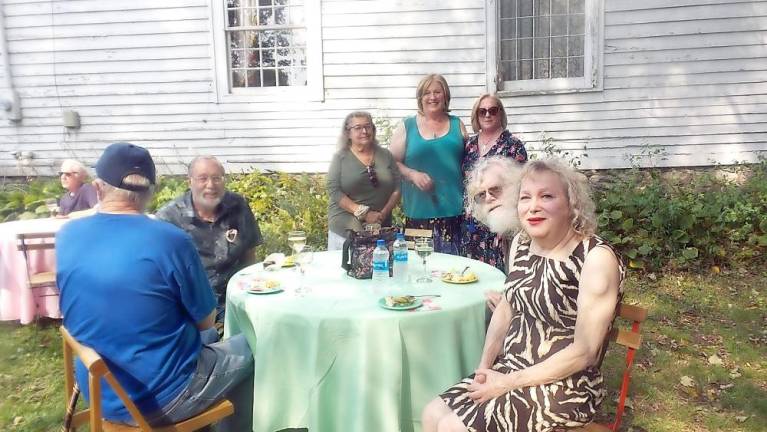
(582, 209)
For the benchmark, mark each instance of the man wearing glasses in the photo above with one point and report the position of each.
(220, 223)
(79, 195)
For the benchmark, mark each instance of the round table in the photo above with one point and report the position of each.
(334, 360)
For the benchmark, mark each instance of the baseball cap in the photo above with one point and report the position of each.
(122, 159)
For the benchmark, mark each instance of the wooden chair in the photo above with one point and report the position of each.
(37, 242)
(631, 339)
(98, 369)
(412, 233)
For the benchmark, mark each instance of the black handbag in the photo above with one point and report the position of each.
(357, 258)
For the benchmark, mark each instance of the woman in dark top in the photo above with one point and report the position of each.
(363, 180)
(488, 119)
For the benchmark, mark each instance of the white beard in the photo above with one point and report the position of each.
(502, 220)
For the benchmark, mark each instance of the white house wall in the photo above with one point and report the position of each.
(682, 74)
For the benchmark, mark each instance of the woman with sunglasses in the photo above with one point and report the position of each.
(80, 194)
(488, 120)
(428, 147)
(363, 180)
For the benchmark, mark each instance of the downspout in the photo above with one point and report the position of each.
(12, 106)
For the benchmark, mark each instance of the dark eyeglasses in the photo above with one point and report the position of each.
(493, 111)
(67, 174)
(359, 128)
(494, 191)
(372, 176)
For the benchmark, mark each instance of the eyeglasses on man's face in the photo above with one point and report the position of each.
(494, 191)
(492, 111)
(203, 179)
(68, 173)
(364, 127)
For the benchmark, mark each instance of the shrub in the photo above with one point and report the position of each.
(656, 220)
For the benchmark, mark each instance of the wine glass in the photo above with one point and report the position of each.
(53, 206)
(424, 246)
(297, 240)
(303, 260)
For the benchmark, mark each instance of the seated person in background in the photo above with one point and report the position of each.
(363, 180)
(539, 369)
(79, 195)
(221, 224)
(134, 290)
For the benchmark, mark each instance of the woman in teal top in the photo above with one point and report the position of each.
(428, 148)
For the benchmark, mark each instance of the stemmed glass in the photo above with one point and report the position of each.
(424, 246)
(297, 240)
(303, 259)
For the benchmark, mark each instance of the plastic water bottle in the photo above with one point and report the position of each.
(399, 267)
(380, 262)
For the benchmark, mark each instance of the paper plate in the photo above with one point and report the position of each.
(382, 302)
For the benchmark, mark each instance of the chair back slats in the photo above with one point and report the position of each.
(632, 312)
(97, 369)
(626, 338)
(36, 241)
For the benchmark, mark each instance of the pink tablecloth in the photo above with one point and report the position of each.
(17, 301)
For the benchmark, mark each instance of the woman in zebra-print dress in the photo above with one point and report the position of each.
(539, 366)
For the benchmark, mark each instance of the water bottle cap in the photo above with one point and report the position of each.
(380, 242)
(400, 236)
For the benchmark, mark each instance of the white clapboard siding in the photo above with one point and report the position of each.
(684, 76)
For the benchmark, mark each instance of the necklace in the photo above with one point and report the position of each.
(484, 147)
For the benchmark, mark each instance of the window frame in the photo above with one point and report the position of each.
(314, 89)
(593, 50)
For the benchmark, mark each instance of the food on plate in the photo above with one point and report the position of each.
(290, 261)
(262, 285)
(399, 301)
(457, 277)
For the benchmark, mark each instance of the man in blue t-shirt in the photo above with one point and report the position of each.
(134, 289)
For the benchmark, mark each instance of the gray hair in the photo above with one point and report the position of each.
(344, 141)
(202, 158)
(75, 165)
(137, 199)
(510, 177)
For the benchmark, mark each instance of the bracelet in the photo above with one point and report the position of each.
(361, 211)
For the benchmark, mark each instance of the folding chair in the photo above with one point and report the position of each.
(631, 339)
(38, 242)
(98, 369)
(413, 233)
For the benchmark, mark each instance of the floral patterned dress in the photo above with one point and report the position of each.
(477, 242)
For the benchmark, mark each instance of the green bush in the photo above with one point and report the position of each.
(656, 220)
(693, 222)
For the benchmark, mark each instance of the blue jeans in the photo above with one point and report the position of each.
(224, 370)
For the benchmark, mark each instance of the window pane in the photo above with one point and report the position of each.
(525, 26)
(577, 24)
(559, 25)
(238, 78)
(233, 17)
(254, 58)
(508, 28)
(251, 17)
(508, 50)
(525, 49)
(542, 7)
(508, 8)
(575, 67)
(577, 6)
(558, 7)
(254, 78)
(270, 78)
(281, 16)
(508, 71)
(267, 58)
(541, 48)
(525, 8)
(265, 16)
(559, 68)
(525, 70)
(542, 25)
(541, 69)
(559, 47)
(575, 46)
(237, 58)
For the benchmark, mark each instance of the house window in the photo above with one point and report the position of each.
(266, 42)
(545, 45)
(267, 48)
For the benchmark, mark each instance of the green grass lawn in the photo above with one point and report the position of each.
(702, 366)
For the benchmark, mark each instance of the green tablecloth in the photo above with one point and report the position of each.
(333, 360)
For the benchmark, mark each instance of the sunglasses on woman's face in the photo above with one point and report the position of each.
(493, 111)
(372, 176)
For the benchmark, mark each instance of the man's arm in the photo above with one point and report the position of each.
(208, 321)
